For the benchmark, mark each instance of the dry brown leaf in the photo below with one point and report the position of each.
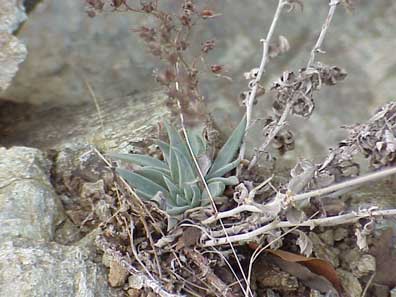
(317, 266)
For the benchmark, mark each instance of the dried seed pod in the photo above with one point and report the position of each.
(207, 13)
(298, 88)
(216, 68)
(208, 45)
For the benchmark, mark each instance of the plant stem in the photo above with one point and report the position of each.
(349, 184)
(264, 61)
(333, 4)
(281, 123)
(331, 221)
(346, 184)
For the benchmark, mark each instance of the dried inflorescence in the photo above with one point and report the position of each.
(167, 38)
(376, 139)
(297, 88)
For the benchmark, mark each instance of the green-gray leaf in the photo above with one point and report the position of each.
(173, 189)
(176, 210)
(216, 189)
(198, 144)
(154, 174)
(141, 183)
(196, 200)
(228, 181)
(229, 149)
(164, 147)
(223, 170)
(176, 141)
(141, 160)
(173, 166)
(181, 201)
(188, 193)
(186, 171)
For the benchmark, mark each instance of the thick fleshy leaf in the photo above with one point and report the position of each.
(198, 144)
(230, 148)
(173, 166)
(176, 141)
(164, 147)
(223, 170)
(176, 210)
(181, 201)
(141, 183)
(216, 189)
(141, 160)
(186, 171)
(196, 199)
(160, 200)
(173, 189)
(204, 162)
(143, 195)
(188, 193)
(228, 181)
(154, 174)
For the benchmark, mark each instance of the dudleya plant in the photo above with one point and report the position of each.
(174, 183)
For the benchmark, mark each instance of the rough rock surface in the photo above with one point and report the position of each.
(31, 263)
(29, 206)
(12, 50)
(38, 269)
(119, 123)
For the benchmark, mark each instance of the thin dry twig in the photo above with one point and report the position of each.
(346, 184)
(125, 262)
(133, 248)
(317, 48)
(281, 122)
(349, 184)
(202, 264)
(264, 61)
(97, 106)
(326, 222)
(261, 248)
(370, 281)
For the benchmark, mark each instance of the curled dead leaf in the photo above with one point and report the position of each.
(323, 278)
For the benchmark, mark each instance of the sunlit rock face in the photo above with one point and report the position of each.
(12, 50)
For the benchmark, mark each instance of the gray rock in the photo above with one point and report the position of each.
(117, 275)
(340, 233)
(323, 251)
(29, 207)
(67, 233)
(12, 51)
(62, 54)
(30, 213)
(350, 283)
(32, 269)
(122, 124)
(12, 14)
(365, 265)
